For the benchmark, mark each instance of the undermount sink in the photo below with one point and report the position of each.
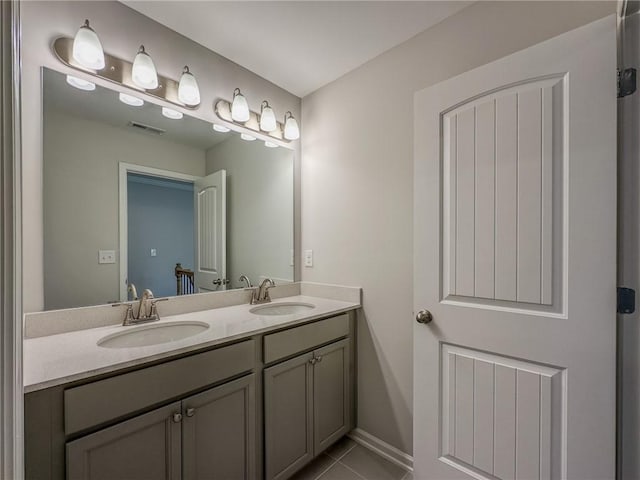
(282, 308)
(153, 334)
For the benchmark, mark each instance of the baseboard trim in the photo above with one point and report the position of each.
(382, 448)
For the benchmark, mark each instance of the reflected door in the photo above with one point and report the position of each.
(210, 232)
(515, 258)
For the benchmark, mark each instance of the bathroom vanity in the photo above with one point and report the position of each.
(257, 394)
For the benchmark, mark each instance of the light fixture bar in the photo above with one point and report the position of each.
(223, 111)
(118, 71)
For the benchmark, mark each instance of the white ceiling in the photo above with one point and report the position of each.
(298, 45)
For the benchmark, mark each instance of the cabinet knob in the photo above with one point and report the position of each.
(319, 358)
(190, 412)
(177, 417)
(313, 360)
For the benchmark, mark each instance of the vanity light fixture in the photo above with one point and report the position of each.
(269, 144)
(239, 107)
(247, 137)
(87, 49)
(267, 118)
(143, 72)
(80, 83)
(188, 91)
(172, 114)
(221, 128)
(291, 129)
(263, 123)
(131, 100)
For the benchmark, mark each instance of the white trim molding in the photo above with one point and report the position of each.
(11, 398)
(382, 448)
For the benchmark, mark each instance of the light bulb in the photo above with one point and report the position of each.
(221, 128)
(131, 100)
(291, 129)
(87, 49)
(143, 72)
(188, 91)
(172, 114)
(247, 137)
(267, 118)
(80, 83)
(269, 144)
(239, 107)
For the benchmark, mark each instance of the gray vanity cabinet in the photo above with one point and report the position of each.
(331, 398)
(218, 432)
(145, 447)
(307, 404)
(288, 404)
(209, 435)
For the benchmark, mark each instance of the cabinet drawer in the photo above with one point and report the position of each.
(99, 402)
(289, 342)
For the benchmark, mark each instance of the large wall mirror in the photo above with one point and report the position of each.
(129, 194)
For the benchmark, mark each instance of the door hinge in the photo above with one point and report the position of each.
(626, 300)
(626, 82)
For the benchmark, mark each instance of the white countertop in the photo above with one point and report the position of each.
(57, 359)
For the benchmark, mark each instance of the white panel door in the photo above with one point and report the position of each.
(211, 232)
(515, 258)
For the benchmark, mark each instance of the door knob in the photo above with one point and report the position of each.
(424, 316)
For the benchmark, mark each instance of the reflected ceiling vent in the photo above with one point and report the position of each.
(147, 128)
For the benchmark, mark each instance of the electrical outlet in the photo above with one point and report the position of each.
(308, 258)
(106, 256)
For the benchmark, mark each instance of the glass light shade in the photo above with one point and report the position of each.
(131, 100)
(87, 49)
(144, 72)
(267, 118)
(247, 137)
(80, 83)
(172, 114)
(188, 91)
(221, 128)
(291, 129)
(270, 144)
(239, 107)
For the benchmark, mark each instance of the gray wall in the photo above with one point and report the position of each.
(629, 257)
(121, 31)
(81, 160)
(357, 187)
(259, 208)
(160, 217)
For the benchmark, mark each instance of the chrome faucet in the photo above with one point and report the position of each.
(142, 317)
(244, 278)
(261, 294)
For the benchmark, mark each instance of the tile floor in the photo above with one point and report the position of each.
(346, 460)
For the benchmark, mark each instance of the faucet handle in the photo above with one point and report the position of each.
(128, 316)
(154, 309)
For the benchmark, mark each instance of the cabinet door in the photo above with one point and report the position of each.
(145, 447)
(218, 432)
(331, 394)
(288, 412)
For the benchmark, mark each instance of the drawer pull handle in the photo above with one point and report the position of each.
(191, 412)
(177, 417)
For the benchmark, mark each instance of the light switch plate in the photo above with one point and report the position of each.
(308, 258)
(154, 252)
(106, 256)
